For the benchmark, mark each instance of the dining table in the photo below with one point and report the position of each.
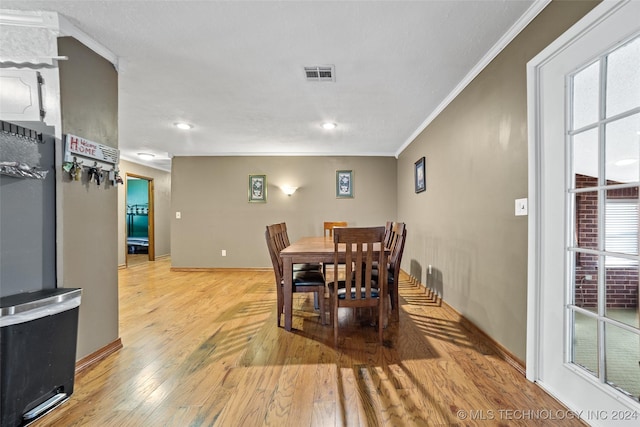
(314, 249)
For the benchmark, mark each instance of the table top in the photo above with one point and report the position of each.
(316, 245)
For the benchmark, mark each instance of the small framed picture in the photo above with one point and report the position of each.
(344, 184)
(420, 176)
(257, 188)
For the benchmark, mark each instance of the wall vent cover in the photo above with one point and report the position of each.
(320, 73)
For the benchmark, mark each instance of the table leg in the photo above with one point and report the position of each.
(288, 292)
(396, 298)
(383, 314)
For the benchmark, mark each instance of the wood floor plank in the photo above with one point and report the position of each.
(202, 348)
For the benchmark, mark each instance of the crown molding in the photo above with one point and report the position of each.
(504, 41)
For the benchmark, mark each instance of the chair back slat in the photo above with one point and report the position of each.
(387, 233)
(285, 234)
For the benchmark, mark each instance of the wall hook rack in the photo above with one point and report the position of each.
(101, 157)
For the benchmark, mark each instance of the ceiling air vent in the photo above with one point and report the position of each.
(324, 73)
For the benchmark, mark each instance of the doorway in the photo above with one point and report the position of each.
(139, 228)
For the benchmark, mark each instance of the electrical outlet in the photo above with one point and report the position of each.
(224, 252)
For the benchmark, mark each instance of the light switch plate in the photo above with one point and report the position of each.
(521, 207)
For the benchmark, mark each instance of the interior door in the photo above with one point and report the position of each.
(564, 148)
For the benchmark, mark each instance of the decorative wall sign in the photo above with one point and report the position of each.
(257, 188)
(420, 176)
(344, 184)
(77, 146)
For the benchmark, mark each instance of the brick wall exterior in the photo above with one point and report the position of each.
(622, 282)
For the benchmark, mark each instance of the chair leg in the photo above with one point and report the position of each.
(380, 320)
(323, 314)
(331, 308)
(280, 304)
(335, 325)
(393, 302)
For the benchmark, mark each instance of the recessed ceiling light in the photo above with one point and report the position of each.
(146, 156)
(626, 162)
(183, 126)
(329, 125)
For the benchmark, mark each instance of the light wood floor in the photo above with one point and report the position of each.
(203, 349)
(135, 259)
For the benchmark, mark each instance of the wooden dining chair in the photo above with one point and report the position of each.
(330, 225)
(393, 269)
(395, 243)
(359, 288)
(388, 229)
(303, 280)
(310, 266)
(328, 231)
(297, 267)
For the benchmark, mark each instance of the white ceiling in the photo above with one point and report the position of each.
(235, 70)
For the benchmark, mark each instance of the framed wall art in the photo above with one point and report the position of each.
(257, 188)
(420, 176)
(344, 184)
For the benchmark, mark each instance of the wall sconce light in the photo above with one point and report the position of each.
(288, 190)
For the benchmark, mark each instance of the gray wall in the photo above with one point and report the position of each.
(162, 208)
(88, 227)
(212, 195)
(476, 155)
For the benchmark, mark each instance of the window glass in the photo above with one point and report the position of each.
(622, 150)
(622, 292)
(623, 78)
(585, 96)
(604, 245)
(585, 158)
(585, 294)
(622, 356)
(587, 224)
(585, 342)
(621, 228)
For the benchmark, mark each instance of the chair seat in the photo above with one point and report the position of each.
(342, 291)
(308, 278)
(390, 275)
